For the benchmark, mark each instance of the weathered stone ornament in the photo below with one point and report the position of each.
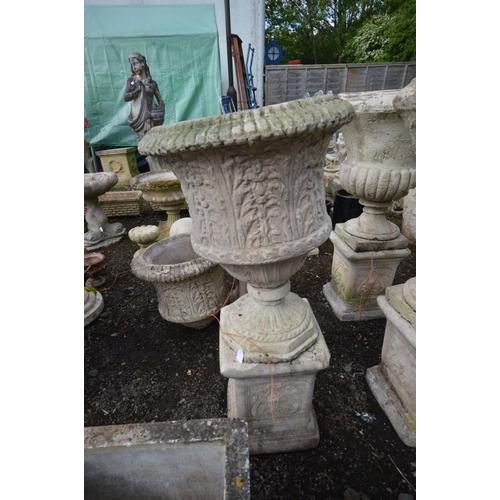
(164, 189)
(189, 288)
(393, 382)
(379, 168)
(140, 91)
(254, 184)
(143, 236)
(100, 232)
(122, 162)
(93, 305)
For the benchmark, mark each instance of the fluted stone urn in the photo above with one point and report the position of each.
(380, 164)
(101, 233)
(143, 236)
(254, 184)
(379, 168)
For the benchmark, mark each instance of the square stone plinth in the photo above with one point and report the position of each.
(358, 278)
(393, 382)
(249, 392)
(122, 162)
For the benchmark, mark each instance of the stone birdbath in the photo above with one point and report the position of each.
(164, 189)
(100, 232)
(254, 184)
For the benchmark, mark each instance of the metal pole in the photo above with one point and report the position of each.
(231, 91)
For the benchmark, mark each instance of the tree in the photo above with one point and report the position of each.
(342, 31)
(388, 37)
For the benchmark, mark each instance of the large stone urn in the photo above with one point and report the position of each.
(164, 189)
(254, 184)
(190, 289)
(379, 168)
(100, 232)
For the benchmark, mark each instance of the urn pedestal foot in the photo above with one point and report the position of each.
(173, 215)
(359, 277)
(274, 321)
(249, 392)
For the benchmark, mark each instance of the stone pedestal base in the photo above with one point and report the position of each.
(93, 306)
(249, 391)
(104, 242)
(393, 382)
(122, 162)
(359, 277)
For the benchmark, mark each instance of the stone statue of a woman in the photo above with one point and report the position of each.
(141, 89)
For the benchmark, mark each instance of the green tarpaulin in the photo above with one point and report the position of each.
(181, 47)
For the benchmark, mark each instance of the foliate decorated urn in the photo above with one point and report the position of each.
(380, 164)
(254, 184)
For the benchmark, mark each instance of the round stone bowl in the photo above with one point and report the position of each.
(98, 183)
(190, 289)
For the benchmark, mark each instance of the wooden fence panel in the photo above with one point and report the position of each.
(289, 82)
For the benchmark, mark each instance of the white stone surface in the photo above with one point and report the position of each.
(182, 226)
(393, 382)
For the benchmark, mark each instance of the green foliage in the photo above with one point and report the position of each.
(342, 31)
(371, 40)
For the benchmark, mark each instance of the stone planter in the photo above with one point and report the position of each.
(393, 382)
(379, 168)
(189, 288)
(100, 232)
(122, 162)
(254, 184)
(164, 189)
(194, 459)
